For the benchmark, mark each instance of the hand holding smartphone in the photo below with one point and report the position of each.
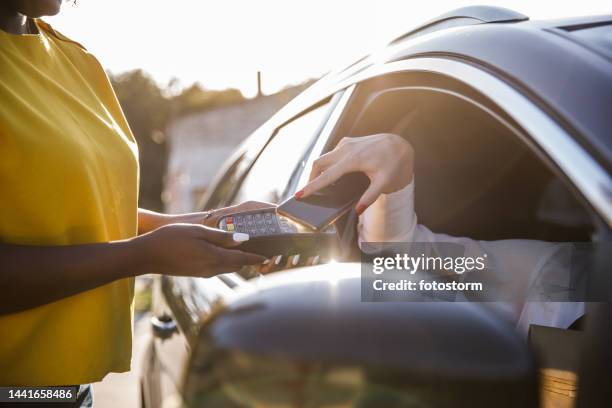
(325, 206)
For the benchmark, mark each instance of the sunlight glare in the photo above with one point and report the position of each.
(223, 44)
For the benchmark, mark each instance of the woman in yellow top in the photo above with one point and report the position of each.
(71, 235)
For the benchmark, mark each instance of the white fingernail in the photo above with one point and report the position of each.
(240, 236)
(278, 259)
(267, 261)
(315, 260)
(296, 259)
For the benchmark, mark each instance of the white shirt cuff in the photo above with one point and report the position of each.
(391, 218)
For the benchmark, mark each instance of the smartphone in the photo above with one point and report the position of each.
(322, 208)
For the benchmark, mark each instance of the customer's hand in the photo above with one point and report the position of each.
(192, 250)
(385, 158)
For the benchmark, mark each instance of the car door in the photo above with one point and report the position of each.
(493, 171)
(180, 303)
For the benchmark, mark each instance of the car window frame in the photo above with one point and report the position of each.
(327, 132)
(250, 148)
(332, 100)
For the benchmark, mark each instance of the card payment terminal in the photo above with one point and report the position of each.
(273, 234)
(299, 226)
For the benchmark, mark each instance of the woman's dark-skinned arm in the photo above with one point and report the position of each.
(31, 276)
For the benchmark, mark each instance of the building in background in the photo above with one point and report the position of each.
(200, 142)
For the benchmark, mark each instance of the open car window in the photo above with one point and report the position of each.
(477, 173)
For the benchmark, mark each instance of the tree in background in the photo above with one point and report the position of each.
(149, 110)
(197, 99)
(146, 110)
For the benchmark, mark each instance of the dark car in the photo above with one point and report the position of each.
(501, 111)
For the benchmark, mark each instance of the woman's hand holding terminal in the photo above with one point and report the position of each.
(35, 275)
(193, 250)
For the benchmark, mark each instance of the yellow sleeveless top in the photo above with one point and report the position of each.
(68, 175)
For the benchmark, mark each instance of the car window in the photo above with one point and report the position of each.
(282, 158)
(225, 186)
(476, 177)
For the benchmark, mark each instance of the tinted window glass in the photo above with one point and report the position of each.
(224, 189)
(282, 158)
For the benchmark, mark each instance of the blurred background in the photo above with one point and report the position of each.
(195, 77)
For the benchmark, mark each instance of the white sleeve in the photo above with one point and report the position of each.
(390, 219)
(517, 263)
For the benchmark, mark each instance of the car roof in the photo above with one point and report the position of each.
(563, 65)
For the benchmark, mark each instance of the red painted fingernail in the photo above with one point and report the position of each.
(299, 194)
(360, 209)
